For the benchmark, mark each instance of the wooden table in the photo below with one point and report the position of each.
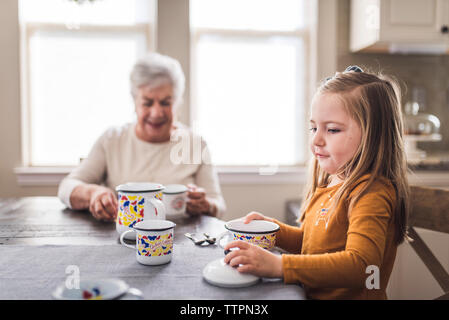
(39, 238)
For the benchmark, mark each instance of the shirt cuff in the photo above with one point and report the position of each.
(219, 206)
(65, 190)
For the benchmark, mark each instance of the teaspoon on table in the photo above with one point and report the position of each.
(195, 240)
(209, 239)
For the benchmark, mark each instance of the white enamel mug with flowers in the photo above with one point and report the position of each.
(138, 201)
(154, 241)
(175, 200)
(261, 233)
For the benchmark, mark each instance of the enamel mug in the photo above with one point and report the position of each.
(138, 201)
(154, 241)
(175, 200)
(261, 233)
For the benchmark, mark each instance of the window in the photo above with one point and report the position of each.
(249, 71)
(76, 59)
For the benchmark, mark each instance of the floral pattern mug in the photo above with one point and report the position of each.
(136, 202)
(154, 241)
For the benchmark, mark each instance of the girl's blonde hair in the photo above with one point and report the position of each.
(374, 102)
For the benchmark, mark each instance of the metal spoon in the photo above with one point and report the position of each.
(209, 239)
(195, 240)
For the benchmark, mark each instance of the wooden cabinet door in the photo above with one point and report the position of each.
(416, 21)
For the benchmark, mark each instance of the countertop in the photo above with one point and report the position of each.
(437, 162)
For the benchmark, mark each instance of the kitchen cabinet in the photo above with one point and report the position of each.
(399, 26)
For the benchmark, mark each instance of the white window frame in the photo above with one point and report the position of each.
(27, 31)
(302, 34)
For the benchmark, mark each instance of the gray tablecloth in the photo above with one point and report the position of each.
(33, 272)
(40, 238)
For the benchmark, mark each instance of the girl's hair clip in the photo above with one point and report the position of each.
(348, 69)
(354, 68)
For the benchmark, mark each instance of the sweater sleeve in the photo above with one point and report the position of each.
(91, 170)
(206, 177)
(366, 238)
(289, 237)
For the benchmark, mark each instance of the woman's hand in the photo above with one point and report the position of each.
(254, 260)
(197, 203)
(103, 203)
(255, 216)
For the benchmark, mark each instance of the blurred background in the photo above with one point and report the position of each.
(251, 69)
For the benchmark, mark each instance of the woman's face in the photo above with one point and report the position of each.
(154, 109)
(335, 135)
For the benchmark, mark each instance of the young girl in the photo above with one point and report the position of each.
(355, 210)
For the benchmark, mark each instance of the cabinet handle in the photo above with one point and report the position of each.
(444, 29)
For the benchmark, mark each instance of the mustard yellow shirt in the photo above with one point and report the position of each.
(331, 250)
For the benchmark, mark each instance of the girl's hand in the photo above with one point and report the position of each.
(255, 216)
(254, 260)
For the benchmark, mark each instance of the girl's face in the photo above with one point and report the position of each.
(335, 135)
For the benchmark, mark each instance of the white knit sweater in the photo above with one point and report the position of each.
(118, 157)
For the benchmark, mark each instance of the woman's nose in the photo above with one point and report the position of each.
(156, 111)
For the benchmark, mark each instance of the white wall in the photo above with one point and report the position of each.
(173, 39)
(410, 278)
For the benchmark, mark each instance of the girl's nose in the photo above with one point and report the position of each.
(318, 139)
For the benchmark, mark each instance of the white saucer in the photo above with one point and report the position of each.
(221, 274)
(132, 294)
(92, 290)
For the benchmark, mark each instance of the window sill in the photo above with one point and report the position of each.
(40, 176)
(52, 176)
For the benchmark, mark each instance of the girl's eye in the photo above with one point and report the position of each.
(334, 130)
(312, 130)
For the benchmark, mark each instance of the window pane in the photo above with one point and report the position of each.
(286, 15)
(79, 86)
(99, 12)
(248, 93)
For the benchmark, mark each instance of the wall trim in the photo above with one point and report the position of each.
(40, 176)
(295, 175)
(52, 176)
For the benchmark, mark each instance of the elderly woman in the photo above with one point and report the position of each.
(142, 151)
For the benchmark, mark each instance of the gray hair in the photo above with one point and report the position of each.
(154, 70)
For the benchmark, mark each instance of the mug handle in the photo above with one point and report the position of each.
(160, 207)
(123, 242)
(221, 236)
